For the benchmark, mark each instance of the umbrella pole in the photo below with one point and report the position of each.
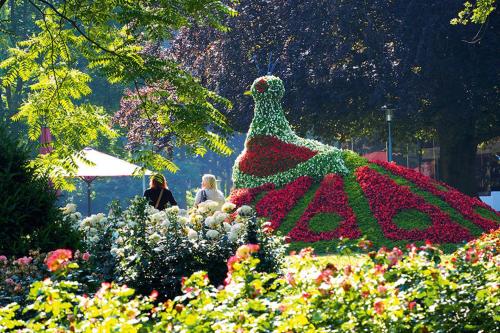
(89, 181)
(89, 201)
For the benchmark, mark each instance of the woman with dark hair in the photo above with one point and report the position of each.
(158, 193)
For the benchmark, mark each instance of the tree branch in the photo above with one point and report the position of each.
(77, 27)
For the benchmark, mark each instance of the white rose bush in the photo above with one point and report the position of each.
(149, 249)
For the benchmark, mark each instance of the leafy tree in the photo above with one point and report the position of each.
(477, 13)
(341, 61)
(109, 37)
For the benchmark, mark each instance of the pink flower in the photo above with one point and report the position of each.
(379, 306)
(24, 261)
(86, 256)
(58, 259)
(9, 282)
(154, 294)
(3, 259)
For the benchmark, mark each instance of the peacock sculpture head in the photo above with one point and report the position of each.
(267, 87)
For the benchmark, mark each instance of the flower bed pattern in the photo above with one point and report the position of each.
(245, 196)
(386, 199)
(267, 155)
(277, 203)
(461, 202)
(330, 198)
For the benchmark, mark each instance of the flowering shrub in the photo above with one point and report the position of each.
(17, 274)
(277, 203)
(386, 199)
(267, 155)
(330, 198)
(245, 196)
(464, 204)
(396, 290)
(150, 249)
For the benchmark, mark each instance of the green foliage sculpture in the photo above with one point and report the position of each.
(318, 194)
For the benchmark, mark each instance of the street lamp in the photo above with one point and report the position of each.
(389, 113)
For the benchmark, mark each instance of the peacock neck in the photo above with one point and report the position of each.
(269, 119)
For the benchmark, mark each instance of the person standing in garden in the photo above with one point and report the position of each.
(209, 191)
(158, 194)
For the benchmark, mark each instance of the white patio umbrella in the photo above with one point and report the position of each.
(104, 165)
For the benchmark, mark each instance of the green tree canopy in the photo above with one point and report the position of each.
(73, 39)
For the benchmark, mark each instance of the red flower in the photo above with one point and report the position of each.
(412, 305)
(261, 86)
(245, 196)
(459, 201)
(154, 294)
(379, 307)
(278, 203)
(268, 155)
(386, 199)
(58, 259)
(330, 198)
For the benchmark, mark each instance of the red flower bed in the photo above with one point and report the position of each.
(245, 196)
(461, 202)
(386, 199)
(277, 203)
(267, 155)
(330, 198)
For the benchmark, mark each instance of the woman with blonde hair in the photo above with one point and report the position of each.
(158, 193)
(209, 191)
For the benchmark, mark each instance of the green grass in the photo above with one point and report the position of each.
(412, 219)
(322, 222)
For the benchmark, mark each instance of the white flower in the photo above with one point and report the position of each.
(211, 222)
(220, 217)
(69, 209)
(212, 205)
(227, 227)
(193, 235)
(228, 207)
(173, 210)
(237, 227)
(232, 237)
(165, 223)
(245, 210)
(212, 234)
(183, 220)
(155, 238)
(157, 217)
(203, 209)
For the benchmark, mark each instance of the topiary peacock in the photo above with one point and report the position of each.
(316, 193)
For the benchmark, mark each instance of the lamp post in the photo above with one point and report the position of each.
(389, 113)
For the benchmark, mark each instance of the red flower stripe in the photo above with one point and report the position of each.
(245, 196)
(461, 202)
(330, 198)
(268, 155)
(386, 199)
(277, 203)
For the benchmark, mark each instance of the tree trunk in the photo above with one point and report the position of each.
(457, 165)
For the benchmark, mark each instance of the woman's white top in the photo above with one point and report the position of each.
(214, 195)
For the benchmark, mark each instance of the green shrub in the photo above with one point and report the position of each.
(29, 218)
(149, 249)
